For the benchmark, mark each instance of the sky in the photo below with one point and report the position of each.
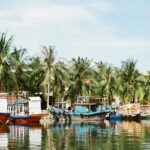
(102, 30)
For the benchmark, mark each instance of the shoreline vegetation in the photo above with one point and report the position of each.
(65, 80)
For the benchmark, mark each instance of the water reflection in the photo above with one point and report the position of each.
(71, 136)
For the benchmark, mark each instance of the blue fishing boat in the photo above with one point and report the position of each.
(84, 109)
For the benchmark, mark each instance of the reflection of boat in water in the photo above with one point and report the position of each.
(4, 128)
(24, 137)
(4, 118)
(84, 109)
(80, 127)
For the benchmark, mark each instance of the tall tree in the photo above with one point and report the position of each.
(129, 79)
(146, 88)
(7, 78)
(105, 77)
(80, 72)
(19, 67)
(49, 58)
(35, 75)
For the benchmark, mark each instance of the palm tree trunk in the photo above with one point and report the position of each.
(48, 94)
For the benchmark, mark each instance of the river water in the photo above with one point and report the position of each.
(77, 136)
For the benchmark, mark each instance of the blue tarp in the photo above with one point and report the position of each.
(80, 109)
(57, 110)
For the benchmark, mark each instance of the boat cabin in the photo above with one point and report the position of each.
(18, 108)
(63, 105)
(88, 104)
(3, 105)
(34, 105)
(25, 107)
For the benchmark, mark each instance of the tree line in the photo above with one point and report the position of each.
(64, 79)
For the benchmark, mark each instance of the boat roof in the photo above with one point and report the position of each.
(35, 98)
(62, 102)
(17, 103)
(84, 104)
(91, 97)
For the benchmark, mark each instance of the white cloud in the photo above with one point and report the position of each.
(52, 14)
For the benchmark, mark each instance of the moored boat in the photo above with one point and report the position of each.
(130, 111)
(26, 114)
(84, 109)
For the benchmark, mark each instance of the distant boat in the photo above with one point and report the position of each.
(130, 111)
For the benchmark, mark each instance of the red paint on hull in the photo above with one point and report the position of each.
(4, 117)
(32, 119)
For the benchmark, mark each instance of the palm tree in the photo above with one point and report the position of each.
(7, 78)
(54, 74)
(35, 75)
(49, 58)
(146, 87)
(80, 72)
(129, 80)
(60, 79)
(105, 78)
(19, 67)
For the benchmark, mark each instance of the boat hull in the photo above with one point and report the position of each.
(115, 117)
(4, 118)
(25, 120)
(96, 116)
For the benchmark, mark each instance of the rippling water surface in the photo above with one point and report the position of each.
(78, 136)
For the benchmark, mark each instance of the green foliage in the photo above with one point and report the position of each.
(62, 79)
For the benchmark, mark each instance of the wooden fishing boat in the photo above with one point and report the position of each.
(76, 116)
(87, 109)
(26, 113)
